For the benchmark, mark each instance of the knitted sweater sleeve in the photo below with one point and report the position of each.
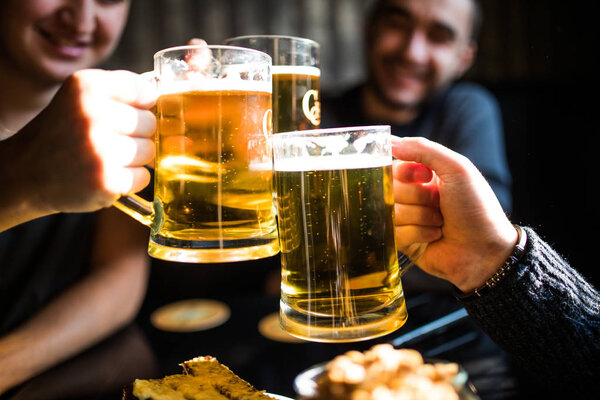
(547, 317)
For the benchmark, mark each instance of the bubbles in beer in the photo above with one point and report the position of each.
(212, 180)
(339, 260)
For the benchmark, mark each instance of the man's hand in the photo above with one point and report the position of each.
(441, 198)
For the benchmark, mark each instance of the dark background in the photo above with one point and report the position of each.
(538, 57)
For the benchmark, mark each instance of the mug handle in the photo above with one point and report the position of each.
(136, 207)
(410, 257)
(131, 204)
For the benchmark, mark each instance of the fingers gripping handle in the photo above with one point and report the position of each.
(410, 257)
(412, 254)
(132, 204)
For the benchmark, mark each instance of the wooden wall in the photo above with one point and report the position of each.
(335, 24)
(520, 40)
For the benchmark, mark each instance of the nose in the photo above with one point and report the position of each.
(79, 15)
(416, 47)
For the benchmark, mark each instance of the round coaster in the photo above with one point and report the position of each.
(269, 328)
(190, 315)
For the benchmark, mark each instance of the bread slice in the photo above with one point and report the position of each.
(174, 387)
(222, 379)
(204, 378)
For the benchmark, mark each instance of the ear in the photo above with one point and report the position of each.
(467, 57)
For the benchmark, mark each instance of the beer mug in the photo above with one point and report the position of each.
(296, 76)
(213, 193)
(340, 272)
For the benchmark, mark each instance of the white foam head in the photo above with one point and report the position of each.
(296, 70)
(329, 163)
(212, 85)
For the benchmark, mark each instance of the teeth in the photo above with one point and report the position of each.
(65, 42)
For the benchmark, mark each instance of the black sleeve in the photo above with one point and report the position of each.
(547, 317)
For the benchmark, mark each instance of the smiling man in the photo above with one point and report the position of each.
(417, 52)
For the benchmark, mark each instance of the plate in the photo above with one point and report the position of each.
(305, 384)
(278, 397)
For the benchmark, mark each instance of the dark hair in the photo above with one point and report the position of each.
(378, 6)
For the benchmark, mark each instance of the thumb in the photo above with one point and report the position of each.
(196, 42)
(429, 154)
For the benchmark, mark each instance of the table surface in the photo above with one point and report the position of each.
(142, 351)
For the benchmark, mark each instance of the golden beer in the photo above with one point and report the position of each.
(213, 195)
(296, 104)
(213, 181)
(340, 276)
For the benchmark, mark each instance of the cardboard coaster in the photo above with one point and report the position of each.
(269, 328)
(190, 315)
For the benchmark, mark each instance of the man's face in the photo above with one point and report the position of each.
(416, 47)
(51, 39)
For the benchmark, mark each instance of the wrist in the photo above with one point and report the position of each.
(20, 200)
(484, 261)
(500, 272)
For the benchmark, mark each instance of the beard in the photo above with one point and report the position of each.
(389, 72)
(389, 101)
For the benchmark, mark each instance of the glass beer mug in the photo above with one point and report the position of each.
(213, 195)
(335, 203)
(296, 76)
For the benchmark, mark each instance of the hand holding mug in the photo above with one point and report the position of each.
(90, 144)
(441, 198)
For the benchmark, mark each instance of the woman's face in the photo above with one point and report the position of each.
(51, 39)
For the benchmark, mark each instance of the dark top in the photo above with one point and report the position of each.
(38, 260)
(465, 118)
(548, 318)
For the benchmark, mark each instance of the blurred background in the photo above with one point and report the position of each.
(539, 57)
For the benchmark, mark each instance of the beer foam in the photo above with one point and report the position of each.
(213, 85)
(260, 166)
(296, 70)
(329, 163)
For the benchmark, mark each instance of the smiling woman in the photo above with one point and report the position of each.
(53, 39)
(69, 278)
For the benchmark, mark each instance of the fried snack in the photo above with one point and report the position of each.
(384, 373)
(203, 378)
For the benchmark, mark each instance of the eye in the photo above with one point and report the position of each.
(441, 34)
(397, 22)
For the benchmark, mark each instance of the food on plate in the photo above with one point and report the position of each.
(202, 378)
(384, 372)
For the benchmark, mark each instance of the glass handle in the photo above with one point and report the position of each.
(136, 207)
(132, 204)
(411, 256)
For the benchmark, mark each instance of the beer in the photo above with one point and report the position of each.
(213, 199)
(295, 74)
(296, 104)
(339, 260)
(213, 182)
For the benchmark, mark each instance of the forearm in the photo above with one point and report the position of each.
(546, 316)
(80, 317)
(19, 201)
